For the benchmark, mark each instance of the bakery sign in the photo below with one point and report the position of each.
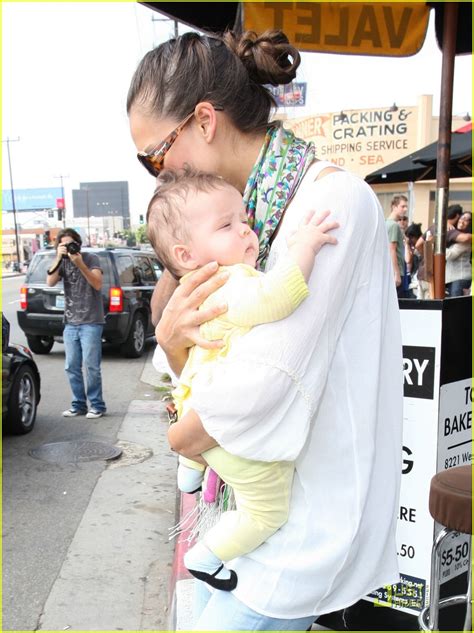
(360, 140)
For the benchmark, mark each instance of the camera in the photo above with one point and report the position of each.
(73, 248)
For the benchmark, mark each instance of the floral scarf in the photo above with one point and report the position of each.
(280, 167)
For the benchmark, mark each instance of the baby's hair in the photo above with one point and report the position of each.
(165, 219)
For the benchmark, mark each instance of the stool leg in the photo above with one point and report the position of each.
(468, 620)
(435, 578)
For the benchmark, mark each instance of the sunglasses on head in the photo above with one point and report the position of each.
(153, 161)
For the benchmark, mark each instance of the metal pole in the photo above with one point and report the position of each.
(17, 243)
(444, 146)
(64, 199)
(88, 219)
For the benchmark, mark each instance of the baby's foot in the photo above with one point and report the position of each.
(189, 479)
(205, 566)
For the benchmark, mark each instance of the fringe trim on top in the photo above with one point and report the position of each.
(203, 516)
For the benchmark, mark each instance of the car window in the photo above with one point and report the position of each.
(106, 272)
(125, 270)
(157, 267)
(38, 269)
(145, 270)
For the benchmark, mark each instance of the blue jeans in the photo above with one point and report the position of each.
(455, 288)
(83, 344)
(221, 611)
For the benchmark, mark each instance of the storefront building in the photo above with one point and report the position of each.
(363, 141)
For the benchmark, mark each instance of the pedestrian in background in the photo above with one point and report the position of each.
(458, 260)
(398, 209)
(453, 236)
(327, 393)
(83, 321)
(412, 256)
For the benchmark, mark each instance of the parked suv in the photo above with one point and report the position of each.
(129, 278)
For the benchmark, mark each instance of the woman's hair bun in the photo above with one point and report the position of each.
(269, 58)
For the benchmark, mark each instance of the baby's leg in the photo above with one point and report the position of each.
(262, 492)
(190, 475)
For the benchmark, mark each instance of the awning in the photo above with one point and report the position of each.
(362, 28)
(421, 165)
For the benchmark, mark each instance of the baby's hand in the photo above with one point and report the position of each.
(313, 232)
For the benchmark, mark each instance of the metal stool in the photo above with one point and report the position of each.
(450, 504)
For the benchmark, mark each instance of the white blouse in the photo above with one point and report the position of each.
(323, 388)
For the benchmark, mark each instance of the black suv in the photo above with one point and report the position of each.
(129, 279)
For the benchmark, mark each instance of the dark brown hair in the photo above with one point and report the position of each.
(229, 71)
(71, 233)
(166, 224)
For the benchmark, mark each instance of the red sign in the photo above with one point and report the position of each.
(60, 203)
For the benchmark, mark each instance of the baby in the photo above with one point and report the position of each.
(195, 218)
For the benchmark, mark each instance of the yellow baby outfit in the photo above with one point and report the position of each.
(261, 489)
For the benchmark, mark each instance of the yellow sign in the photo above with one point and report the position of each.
(394, 29)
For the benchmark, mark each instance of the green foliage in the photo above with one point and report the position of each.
(141, 235)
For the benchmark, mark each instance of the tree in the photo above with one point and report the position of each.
(141, 235)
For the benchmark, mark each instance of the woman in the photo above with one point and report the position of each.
(458, 261)
(321, 388)
(412, 257)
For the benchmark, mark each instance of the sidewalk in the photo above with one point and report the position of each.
(116, 574)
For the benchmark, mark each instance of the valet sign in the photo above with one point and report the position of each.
(436, 436)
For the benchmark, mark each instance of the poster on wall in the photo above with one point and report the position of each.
(437, 420)
(421, 334)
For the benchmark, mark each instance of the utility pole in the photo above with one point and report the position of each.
(176, 29)
(88, 219)
(8, 141)
(61, 176)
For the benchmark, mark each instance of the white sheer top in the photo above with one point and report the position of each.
(322, 387)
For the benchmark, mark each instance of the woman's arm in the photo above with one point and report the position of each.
(188, 437)
(456, 250)
(178, 328)
(165, 287)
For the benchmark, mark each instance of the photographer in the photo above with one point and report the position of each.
(84, 321)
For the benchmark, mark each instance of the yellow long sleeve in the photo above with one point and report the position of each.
(254, 298)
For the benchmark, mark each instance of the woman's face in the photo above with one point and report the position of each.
(464, 221)
(148, 133)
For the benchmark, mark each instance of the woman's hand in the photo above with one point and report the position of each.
(178, 328)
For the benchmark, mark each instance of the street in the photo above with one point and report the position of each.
(44, 503)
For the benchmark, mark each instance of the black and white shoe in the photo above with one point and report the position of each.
(224, 584)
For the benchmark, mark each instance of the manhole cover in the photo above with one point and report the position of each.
(76, 451)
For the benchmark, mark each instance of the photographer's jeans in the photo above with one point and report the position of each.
(83, 345)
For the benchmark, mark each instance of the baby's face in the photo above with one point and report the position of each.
(219, 228)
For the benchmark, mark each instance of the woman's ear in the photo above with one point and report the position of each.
(183, 257)
(206, 119)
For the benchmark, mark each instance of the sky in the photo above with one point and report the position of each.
(66, 68)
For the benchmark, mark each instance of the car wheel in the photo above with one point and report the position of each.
(40, 344)
(23, 402)
(135, 343)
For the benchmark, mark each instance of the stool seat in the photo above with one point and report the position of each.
(451, 498)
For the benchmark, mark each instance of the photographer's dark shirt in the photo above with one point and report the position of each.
(83, 304)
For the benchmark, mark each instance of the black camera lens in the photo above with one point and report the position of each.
(73, 248)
